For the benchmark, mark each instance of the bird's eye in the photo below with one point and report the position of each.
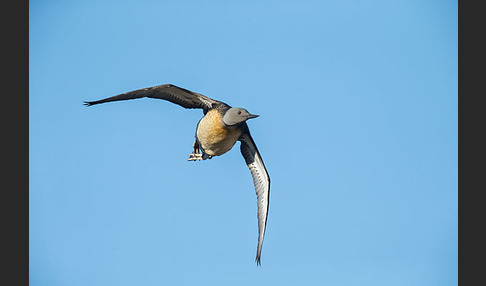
(239, 112)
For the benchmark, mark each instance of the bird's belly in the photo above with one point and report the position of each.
(214, 138)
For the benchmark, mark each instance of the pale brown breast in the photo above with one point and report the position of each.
(214, 137)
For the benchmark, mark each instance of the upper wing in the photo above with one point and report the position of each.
(172, 93)
(261, 180)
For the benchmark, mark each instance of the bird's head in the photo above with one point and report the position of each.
(237, 115)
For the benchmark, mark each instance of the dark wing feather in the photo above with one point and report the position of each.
(261, 181)
(170, 92)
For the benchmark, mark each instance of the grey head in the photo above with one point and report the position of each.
(236, 115)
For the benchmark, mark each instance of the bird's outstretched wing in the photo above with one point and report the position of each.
(170, 92)
(261, 180)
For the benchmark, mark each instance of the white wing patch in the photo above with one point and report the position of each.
(261, 181)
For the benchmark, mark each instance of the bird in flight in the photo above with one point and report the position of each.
(216, 133)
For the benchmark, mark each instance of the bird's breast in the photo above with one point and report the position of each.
(213, 136)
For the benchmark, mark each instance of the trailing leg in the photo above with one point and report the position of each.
(196, 154)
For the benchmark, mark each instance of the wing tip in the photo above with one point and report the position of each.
(258, 256)
(88, 103)
(258, 262)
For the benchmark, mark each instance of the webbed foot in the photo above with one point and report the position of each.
(198, 156)
(195, 157)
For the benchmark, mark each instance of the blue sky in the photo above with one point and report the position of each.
(358, 130)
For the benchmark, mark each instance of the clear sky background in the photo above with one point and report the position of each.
(358, 129)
